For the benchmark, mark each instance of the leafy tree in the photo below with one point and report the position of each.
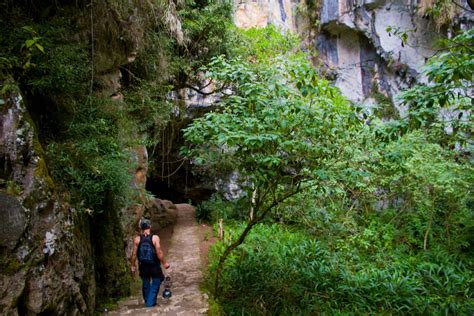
(208, 33)
(282, 129)
(446, 101)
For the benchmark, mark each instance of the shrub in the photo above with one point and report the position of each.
(92, 162)
(285, 271)
(216, 208)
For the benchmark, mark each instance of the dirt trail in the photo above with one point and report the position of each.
(185, 271)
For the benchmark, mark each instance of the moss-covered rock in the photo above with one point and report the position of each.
(45, 250)
(111, 268)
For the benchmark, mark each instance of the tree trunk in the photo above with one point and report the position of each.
(228, 250)
(244, 234)
(471, 3)
(252, 205)
(425, 241)
(221, 229)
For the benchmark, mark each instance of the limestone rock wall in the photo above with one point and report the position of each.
(365, 60)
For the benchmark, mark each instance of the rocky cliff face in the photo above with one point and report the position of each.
(366, 61)
(54, 258)
(369, 64)
(46, 254)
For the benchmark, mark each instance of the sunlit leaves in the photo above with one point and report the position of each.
(279, 120)
(450, 87)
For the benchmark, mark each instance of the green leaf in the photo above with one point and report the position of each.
(41, 48)
(29, 43)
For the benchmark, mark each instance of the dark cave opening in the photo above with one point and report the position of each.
(183, 187)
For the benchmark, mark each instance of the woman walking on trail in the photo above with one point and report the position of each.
(147, 249)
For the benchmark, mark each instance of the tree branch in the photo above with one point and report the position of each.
(240, 240)
(199, 90)
(462, 7)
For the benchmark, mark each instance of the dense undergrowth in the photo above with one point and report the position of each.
(288, 271)
(338, 216)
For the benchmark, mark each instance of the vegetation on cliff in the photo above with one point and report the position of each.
(70, 61)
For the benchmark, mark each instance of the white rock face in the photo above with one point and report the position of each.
(365, 59)
(260, 13)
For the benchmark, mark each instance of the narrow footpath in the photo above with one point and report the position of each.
(185, 272)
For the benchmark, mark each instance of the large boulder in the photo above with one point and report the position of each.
(162, 213)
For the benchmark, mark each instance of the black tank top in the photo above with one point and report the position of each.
(151, 270)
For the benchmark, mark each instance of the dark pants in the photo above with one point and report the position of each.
(150, 289)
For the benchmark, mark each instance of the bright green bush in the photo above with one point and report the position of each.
(287, 272)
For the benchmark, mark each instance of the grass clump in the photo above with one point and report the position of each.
(285, 271)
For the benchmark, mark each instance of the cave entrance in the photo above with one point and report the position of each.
(171, 177)
(181, 187)
(162, 190)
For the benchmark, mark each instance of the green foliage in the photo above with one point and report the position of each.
(282, 126)
(104, 172)
(432, 183)
(389, 202)
(21, 49)
(208, 32)
(216, 208)
(421, 188)
(259, 45)
(450, 84)
(148, 109)
(85, 149)
(282, 129)
(86, 135)
(287, 272)
(147, 82)
(42, 58)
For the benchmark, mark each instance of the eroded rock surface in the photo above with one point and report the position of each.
(260, 13)
(369, 63)
(12, 221)
(45, 256)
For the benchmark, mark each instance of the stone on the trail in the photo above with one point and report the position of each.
(130, 302)
(162, 215)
